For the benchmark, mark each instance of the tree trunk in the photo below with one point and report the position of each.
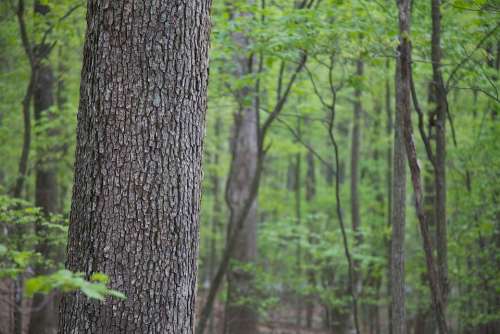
(398, 214)
(355, 147)
(241, 317)
(440, 165)
(310, 185)
(298, 255)
(389, 129)
(216, 215)
(404, 98)
(136, 195)
(43, 314)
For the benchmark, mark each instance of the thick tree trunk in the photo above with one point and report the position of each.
(398, 214)
(136, 195)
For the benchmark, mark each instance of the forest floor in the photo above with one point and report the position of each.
(281, 320)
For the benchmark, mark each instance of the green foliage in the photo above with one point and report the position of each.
(18, 255)
(67, 281)
(334, 34)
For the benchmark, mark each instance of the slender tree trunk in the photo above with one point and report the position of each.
(26, 103)
(136, 195)
(43, 318)
(423, 319)
(298, 255)
(241, 317)
(440, 166)
(310, 185)
(404, 58)
(389, 130)
(354, 179)
(374, 278)
(355, 147)
(18, 306)
(216, 214)
(398, 214)
(239, 221)
(61, 101)
(46, 186)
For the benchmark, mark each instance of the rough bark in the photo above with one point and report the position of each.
(136, 195)
(398, 213)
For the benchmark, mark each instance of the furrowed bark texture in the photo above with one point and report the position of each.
(398, 215)
(135, 207)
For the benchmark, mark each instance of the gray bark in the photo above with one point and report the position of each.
(136, 195)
